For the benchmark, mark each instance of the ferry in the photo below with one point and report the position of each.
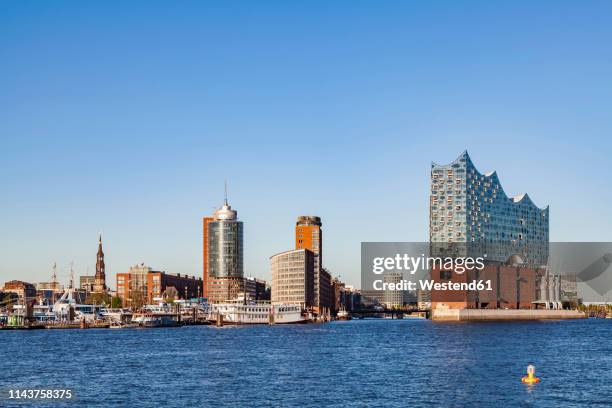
(156, 316)
(116, 315)
(256, 312)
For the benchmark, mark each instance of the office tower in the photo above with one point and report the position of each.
(472, 209)
(100, 276)
(223, 254)
(293, 277)
(309, 235)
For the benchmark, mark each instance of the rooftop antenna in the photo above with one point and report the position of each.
(225, 192)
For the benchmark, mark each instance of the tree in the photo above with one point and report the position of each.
(137, 299)
(98, 299)
(170, 294)
(116, 302)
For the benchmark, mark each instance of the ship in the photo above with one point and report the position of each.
(69, 308)
(255, 312)
(156, 316)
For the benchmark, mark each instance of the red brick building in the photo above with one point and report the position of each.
(141, 284)
(512, 287)
(22, 289)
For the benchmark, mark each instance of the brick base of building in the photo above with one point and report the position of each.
(512, 287)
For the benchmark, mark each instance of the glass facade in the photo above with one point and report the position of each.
(225, 253)
(472, 210)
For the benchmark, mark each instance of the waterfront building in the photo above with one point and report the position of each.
(338, 290)
(87, 282)
(187, 287)
(142, 285)
(471, 215)
(26, 291)
(323, 288)
(345, 296)
(231, 288)
(100, 277)
(256, 288)
(392, 299)
(293, 277)
(223, 254)
(372, 297)
(52, 286)
(309, 235)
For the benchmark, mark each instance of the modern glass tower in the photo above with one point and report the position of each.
(472, 210)
(225, 248)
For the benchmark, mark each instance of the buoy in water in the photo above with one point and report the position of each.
(530, 378)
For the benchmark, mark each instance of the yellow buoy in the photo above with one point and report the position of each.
(530, 378)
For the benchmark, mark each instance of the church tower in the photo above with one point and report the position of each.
(100, 278)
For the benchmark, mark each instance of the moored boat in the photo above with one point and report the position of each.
(343, 314)
(253, 312)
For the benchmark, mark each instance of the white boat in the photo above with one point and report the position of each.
(156, 316)
(343, 314)
(252, 312)
(154, 320)
(68, 304)
(116, 315)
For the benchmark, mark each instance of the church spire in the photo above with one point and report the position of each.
(100, 277)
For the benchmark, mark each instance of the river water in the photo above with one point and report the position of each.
(359, 363)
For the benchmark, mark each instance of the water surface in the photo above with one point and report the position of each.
(358, 363)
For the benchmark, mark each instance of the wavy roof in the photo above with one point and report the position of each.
(522, 198)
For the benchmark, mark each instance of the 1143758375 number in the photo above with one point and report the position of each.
(32, 394)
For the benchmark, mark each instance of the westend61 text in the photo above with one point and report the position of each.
(432, 285)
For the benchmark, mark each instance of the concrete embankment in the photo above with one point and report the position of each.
(503, 314)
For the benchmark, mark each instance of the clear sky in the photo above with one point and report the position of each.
(127, 118)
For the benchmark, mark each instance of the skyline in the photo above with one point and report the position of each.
(128, 122)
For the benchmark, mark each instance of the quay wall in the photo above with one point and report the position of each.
(503, 314)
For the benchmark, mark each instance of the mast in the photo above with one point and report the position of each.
(71, 285)
(54, 281)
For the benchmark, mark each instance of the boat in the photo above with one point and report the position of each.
(68, 308)
(116, 315)
(147, 319)
(255, 312)
(117, 324)
(160, 315)
(343, 314)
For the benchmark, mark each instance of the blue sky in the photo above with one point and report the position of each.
(127, 118)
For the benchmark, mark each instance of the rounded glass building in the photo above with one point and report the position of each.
(225, 253)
